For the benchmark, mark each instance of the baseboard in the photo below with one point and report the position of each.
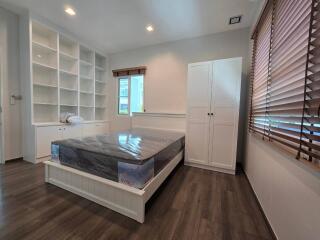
(274, 236)
(14, 159)
(211, 168)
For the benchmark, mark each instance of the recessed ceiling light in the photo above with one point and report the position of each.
(235, 20)
(150, 28)
(70, 11)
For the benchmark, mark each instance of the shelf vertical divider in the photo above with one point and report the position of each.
(94, 85)
(30, 25)
(78, 79)
(58, 74)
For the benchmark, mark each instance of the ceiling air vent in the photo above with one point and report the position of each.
(235, 20)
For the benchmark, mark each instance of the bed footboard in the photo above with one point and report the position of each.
(121, 198)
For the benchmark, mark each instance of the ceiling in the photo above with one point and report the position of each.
(119, 25)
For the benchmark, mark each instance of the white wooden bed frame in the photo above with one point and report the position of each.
(119, 197)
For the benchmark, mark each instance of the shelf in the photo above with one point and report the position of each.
(44, 124)
(44, 76)
(44, 85)
(84, 92)
(100, 94)
(68, 89)
(68, 47)
(68, 82)
(86, 55)
(44, 65)
(86, 71)
(100, 62)
(43, 47)
(68, 64)
(83, 106)
(68, 73)
(43, 103)
(68, 105)
(83, 62)
(44, 54)
(102, 82)
(87, 78)
(68, 57)
(44, 36)
(100, 69)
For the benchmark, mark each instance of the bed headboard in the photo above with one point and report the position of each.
(165, 121)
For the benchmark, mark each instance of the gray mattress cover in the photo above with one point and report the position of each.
(131, 157)
(133, 146)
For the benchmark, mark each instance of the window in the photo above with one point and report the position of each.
(131, 94)
(285, 77)
(123, 96)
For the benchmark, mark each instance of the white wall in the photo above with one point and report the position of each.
(9, 43)
(166, 77)
(288, 192)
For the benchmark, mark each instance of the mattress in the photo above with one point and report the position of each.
(131, 157)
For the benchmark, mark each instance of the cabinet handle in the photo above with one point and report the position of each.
(208, 114)
(212, 114)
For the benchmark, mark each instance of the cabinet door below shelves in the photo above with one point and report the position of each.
(71, 132)
(94, 129)
(45, 135)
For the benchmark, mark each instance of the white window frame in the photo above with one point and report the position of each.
(129, 93)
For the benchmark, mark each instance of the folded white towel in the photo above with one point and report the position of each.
(75, 120)
(70, 118)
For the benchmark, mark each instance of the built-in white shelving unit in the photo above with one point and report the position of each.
(66, 77)
(60, 75)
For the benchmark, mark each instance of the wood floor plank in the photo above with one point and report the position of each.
(191, 204)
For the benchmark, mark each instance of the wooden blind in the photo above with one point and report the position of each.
(310, 125)
(129, 71)
(260, 72)
(288, 68)
(287, 110)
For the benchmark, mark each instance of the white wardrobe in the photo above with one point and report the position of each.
(213, 113)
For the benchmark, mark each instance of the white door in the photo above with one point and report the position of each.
(225, 108)
(198, 112)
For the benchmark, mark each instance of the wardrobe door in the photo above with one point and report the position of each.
(225, 109)
(199, 98)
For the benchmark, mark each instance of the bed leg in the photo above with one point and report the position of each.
(46, 177)
(141, 212)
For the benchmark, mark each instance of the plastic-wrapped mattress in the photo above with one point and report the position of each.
(131, 157)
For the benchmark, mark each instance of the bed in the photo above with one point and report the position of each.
(119, 170)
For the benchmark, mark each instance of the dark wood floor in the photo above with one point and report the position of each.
(192, 204)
